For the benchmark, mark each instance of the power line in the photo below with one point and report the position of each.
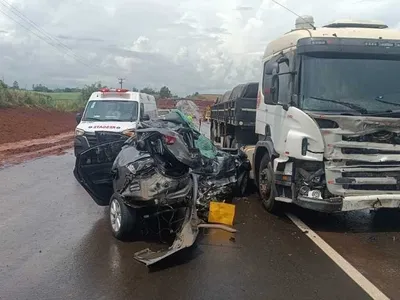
(281, 5)
(19, 14)
(40, 37)
(51, 40)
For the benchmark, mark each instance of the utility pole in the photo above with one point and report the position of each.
(121, 80)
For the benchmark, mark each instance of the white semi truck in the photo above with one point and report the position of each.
(328, 118)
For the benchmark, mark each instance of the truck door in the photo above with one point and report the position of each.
(276, 90)
(282, 91)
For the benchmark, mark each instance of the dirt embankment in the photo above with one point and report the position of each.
(29, 133)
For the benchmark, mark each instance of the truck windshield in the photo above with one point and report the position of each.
(350, 84)
(111, 110)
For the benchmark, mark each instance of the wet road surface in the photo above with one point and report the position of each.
(55, 243)
(370, 241)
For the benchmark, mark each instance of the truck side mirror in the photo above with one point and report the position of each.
(145, 117)
(78, 117)
(271, 67)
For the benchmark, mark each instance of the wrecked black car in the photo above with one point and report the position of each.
(167, 166)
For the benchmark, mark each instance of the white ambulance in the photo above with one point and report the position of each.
(111, 110)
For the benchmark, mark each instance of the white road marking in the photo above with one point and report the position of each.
(352, 272)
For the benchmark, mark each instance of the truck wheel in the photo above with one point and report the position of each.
(122, 218)
(266, 185)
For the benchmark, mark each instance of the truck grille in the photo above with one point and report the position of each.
(359, 178)
(372, 175)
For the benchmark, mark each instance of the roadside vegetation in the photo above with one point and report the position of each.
(66, 99)
(13, 96)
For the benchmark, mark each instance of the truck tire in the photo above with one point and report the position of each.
(266, 185)
(122, 218)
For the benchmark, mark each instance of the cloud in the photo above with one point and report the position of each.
(244, 8)
(190, 45)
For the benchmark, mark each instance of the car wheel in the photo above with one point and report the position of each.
(266, 185)
(122, 218)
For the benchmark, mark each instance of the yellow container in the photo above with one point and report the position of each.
(221, 213)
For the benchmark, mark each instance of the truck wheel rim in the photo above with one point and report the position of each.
(115, 215)
(265, 184)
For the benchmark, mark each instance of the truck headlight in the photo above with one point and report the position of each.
(79, 132)
(129, 132)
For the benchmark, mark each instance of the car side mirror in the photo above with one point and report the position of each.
(78, 117)
(145, 117)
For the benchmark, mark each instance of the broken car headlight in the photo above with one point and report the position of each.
(79, 132)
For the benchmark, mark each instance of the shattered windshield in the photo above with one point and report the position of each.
(111, 110)
(350, 84)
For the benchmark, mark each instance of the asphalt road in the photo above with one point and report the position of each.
(55, 243)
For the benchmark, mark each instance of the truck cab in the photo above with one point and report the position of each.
(111, 111)
(328, 118)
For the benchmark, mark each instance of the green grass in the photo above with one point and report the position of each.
(66, 101)
(59, 101)
(63, 96)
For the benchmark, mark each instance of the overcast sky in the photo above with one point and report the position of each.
(193, 45)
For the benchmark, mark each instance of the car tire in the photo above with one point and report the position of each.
(122, 218)
(266, 185)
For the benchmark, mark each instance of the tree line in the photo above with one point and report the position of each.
(163, 92)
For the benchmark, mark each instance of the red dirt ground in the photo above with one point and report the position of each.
(17, 124)
(30, 133)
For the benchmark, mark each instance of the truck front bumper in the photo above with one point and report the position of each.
(350, 203)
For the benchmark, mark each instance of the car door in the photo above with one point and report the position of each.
(93, 170)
